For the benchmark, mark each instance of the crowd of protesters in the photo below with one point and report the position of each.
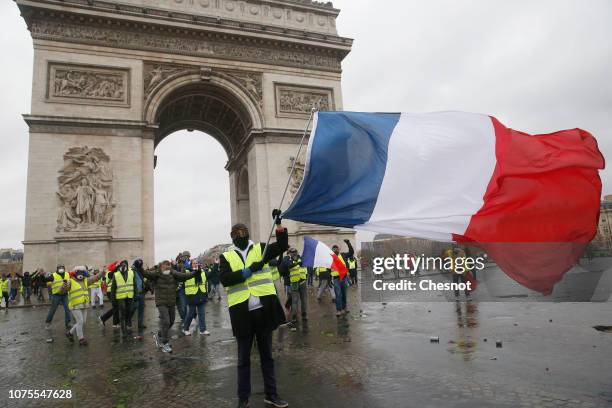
(257, 280)
(84, 287)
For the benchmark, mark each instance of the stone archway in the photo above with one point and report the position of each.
(215, 103)
(113, 78)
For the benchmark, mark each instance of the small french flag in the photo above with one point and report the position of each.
(316, 254)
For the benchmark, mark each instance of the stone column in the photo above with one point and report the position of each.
(148, 202)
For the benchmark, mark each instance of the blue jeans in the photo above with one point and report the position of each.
(181, 303)
(214, 290)
(55, 302)
(139, 304)
(191, 311)
(340, 291)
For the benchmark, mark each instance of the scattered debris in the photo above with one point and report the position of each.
(49, 340)
(493, 358)
(550, 320)
(116, 380)
(498, 343)
(605, 329)
(434, 339)
(485, 339)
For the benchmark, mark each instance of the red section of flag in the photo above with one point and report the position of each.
(339, 266)
(544, 197)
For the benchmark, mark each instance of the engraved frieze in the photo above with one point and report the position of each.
(182, 44)
(298, 101)
(155, 73)
(87, 84)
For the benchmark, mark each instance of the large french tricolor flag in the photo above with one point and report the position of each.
(316, 254)
(531, 201)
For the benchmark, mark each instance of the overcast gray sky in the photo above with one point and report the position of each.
(538, 66)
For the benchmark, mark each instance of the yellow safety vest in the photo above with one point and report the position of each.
(258, 284)
(125, 289)
(96, 284)
(297, 273)
(109, 283)
(449, 254)
(57, 283)
(334, 273)
(352, 264)
(274, 272)
(320, 269)
(4, 285)
(77, 294)
(190, 285)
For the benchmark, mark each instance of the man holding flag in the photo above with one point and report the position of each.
(339, 279)
(254, 308)
(317, 254)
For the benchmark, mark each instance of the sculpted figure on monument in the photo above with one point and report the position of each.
(85, 190)
(297, 176)
(86, 197)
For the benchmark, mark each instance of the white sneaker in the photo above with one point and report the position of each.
(167, 348)
(186, 332)
(205, 333)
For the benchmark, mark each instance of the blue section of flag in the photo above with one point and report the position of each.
(310, 249)
(345, 168)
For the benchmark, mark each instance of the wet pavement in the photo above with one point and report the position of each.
(381, 355)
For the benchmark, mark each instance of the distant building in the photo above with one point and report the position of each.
(8, 255)
(387, 245)
(11, 261)
(602, 243)
(213, 253)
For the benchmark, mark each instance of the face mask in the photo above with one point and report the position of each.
(123, 268)
(61, 270)
(166, 272)
(241, 242)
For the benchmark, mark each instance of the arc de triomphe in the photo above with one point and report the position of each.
(113, 78)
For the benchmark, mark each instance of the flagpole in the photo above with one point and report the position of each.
(312, 112)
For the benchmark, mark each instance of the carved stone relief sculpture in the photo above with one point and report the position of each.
(85, 191)
(296, 177)
(156, 73)
(88, 85)
(297, 101)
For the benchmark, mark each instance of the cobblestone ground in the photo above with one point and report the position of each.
(379, 356)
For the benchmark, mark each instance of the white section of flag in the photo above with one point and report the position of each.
(323, 256)
(438, 169)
